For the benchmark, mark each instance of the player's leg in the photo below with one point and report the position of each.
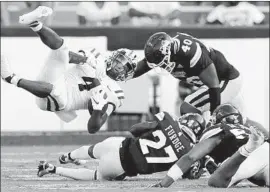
(49, 37)
(109, 155)
(38, 88)
(193, 102)
(95, 151)
(83, 174)
(239, 166)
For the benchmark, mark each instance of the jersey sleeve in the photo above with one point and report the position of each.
(236, 130)
(201, 62)
(210, 132)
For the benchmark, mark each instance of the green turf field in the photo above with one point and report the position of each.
(19, 168)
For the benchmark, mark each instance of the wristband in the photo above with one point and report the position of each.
(175, 172)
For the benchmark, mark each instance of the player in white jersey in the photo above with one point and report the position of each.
(62, 90)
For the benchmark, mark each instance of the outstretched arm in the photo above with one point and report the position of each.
(142, 68)
(183, 164)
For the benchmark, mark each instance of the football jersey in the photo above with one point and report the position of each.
(74, 88)
(156, 150)
(192, 56)
(233, 137)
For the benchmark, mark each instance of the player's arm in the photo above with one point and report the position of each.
(97, 119)
(141, 68)
(140, 128)
(99, 108)
(209, 77)
(183, 164)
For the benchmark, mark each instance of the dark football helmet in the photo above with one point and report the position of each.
(192, 125)
(157, 51)
(226, 113)
(121, 64)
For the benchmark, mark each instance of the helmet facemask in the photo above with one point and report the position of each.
(121, 65)
(165, 63)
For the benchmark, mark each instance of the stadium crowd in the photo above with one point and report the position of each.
(230, 13)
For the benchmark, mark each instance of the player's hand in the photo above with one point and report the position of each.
(158, 185)
(99, 98)
(196, 171)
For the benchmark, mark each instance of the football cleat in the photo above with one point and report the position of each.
(45, 168)
(65, 159)
(39, 14)
(6, 71)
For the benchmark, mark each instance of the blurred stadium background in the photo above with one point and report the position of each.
(238, 29)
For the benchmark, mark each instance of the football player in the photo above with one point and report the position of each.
(190, 60)
(62, 90)
(154, 147)
(227, 138)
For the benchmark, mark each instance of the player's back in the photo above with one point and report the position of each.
(192, 47)
(156, 150)
(233, 137)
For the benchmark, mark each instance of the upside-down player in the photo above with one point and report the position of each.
(154, 147)
(248, 157)
(62, 90)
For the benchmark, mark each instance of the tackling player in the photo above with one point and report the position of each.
(227, 138)
(190, 60)
(154, 147)
(62, 90)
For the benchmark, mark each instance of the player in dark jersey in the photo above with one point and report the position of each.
(154, 147)
(190, 60)
(220, 140)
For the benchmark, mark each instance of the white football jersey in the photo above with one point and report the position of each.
(73, 90)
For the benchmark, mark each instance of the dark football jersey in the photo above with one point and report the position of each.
(191, 57)
(156, 150)
(233, 137)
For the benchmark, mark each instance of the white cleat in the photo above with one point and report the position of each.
(6, 71)
(39, 14)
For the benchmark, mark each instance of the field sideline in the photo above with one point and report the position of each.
(19, 168)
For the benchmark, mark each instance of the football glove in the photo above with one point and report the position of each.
(99, 98)
(196, 171)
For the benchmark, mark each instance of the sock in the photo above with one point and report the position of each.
(36, 26)
(77, 174)
(53, 170)
(13, 79)
(80, 153)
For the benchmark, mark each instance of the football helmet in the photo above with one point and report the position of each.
(121, 64)
(226, 113)
(192, 125)
(157, 51)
